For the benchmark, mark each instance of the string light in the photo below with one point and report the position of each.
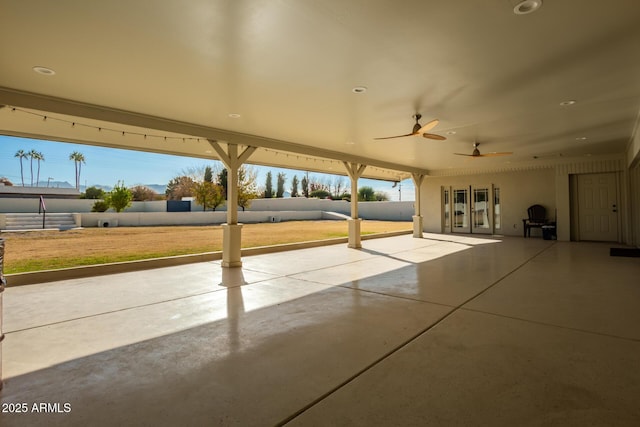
(185, 139)
(100, 128)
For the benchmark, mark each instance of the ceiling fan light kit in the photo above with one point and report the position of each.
(476, 152)
(527, 6)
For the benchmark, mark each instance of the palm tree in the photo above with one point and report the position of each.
(39, 157)
(32, 155)
(21, 154)
(78, 159)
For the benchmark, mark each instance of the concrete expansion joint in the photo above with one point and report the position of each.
(552, 325)
(96, 315)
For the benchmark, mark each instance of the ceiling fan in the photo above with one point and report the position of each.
(476, 152)
(418, 129)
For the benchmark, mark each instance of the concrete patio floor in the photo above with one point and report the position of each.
(444, 330)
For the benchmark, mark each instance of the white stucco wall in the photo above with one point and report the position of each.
(518, 191)
(390, 211)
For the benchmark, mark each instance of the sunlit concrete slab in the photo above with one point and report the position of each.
(486, 370)
(237, 361)
(288, 263)
(47, 303)
(447, 329)
(448, 271)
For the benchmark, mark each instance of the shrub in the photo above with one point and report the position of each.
(320, 194)
(100, 206)
(93, 193)
(120, 197)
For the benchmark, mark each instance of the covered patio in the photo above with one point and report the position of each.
(439, 330)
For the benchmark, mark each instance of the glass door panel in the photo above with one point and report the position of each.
(480, 209)
(461, 210)
(446, 210)
(497, 223)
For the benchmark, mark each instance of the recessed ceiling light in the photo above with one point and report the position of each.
(451, 132)
(359, 89)
(234, 116)
(581, 138)
(527, 6)
(350, 143)
(567, 103)
(44, 71)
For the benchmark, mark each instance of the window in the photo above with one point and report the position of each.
(496, 208)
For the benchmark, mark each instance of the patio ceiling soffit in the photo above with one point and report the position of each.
(20, 99)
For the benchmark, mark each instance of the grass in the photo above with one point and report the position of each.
(50, 250)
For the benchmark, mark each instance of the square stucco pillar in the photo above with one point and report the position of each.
(231, 245)
(354, 233)
(417, 226)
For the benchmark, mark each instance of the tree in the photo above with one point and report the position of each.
(143, 193)
(208, 194)
(294, 186)
(40, 158)
(208, 174)
(100, 206)
(93, 193)
(5, 181)
(268, 187)
(247, 189)
(338, 187)
(197, 173)
(21, 154)
(315, 184)
(222, 180)
(120, 197)
(32, 155)
(320, 194)
(305, 186)
(381, 196)
(366, 194)
(78, 160)
(179, 187)
(280, 185)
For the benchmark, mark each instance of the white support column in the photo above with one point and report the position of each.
(417, 217)
(355, 171)
(232, 231)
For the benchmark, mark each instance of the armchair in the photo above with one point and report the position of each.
(537, 219)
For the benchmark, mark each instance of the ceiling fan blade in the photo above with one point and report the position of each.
(467, 155)
(397, 136)
(434, 136)
(426, 128)
(496, 154)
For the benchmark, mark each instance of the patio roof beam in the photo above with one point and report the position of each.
(16, 98)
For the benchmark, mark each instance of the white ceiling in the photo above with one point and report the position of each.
(179, 68)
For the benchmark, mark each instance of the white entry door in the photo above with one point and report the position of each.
(598, 207)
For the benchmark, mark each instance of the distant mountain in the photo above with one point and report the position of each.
(160, 189)
(55, 184)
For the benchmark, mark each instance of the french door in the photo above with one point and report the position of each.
(468, 209)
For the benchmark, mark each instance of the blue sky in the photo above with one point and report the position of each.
(107, 166)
